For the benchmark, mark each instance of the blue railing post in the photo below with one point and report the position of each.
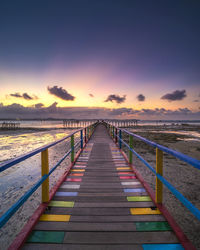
(120, 137)
(81, 138)
(72, 148)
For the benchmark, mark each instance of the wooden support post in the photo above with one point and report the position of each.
(120, 136)
(44, 171)
(85, 135)
(115, 135)
(131, 146)
(159, 170)
(72, 148)
(113, 132)
(81, 135)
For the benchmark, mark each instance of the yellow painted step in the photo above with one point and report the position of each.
(146, 210)
(55, 217)
(123, 168)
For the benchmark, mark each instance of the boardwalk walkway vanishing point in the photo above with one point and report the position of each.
(101, 204)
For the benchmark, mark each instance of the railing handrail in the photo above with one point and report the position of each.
(181, 156)
(194, 162)
(11, 211)
(21, 158)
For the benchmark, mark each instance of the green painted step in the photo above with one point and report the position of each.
(46, 237)
(139, 198)
(61, 204)
(153, 226)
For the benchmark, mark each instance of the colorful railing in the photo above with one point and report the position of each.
(116, 134)
(85, 134)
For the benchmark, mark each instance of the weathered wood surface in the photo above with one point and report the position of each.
(100, 217)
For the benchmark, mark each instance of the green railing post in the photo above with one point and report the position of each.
(81, 138)
(159, 170)
(72, 148)
(131, 146)
(120, 137)
(44, 171)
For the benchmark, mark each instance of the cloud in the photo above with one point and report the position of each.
(39, 111)
(91, 95)
(61, 93)
(25, 96)
(16, 95)
(175, 96)
(39, 105)
(116, 98)
(141, 98)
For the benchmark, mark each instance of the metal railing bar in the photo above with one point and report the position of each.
(195, 163)
(7, 215)
(19, 159)
(173, 190)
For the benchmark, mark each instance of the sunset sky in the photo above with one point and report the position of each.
(100, 59)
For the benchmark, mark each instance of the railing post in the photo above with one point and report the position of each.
(85, 135)
(131, 146)
(81, 138)
(113, 132)
(44, 171)
(159, 170)
(72, 148)
(115, 135)
(120, 137)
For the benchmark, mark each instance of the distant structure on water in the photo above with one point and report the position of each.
(72, 123)
(9, 125)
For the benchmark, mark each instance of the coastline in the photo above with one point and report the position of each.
(186, 181)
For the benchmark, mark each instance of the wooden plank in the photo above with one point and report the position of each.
(119, 237)
(114, 204)
(85, 227)
(81, 247)
(114, 219)
(89, 211)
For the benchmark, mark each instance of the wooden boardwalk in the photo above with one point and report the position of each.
(102, 205)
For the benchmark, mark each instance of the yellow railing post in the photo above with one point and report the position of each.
(131, 146)
(44, 171)
(159, 170)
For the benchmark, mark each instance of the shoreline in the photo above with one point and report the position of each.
(186, 181)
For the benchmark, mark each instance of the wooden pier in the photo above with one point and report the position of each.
(101, 205)
(9, 125)
(77, 123)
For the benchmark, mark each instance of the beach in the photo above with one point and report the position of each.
(17, 180)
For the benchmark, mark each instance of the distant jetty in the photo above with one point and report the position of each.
(9, 125)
